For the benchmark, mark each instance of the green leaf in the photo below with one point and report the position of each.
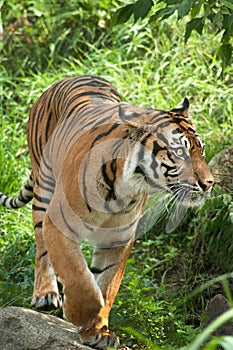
(195, 24)
(142, 338)
(141, 8)
(196, 9)
(184, 7)
(168, 2)
(125, 13)
(226, 342)
(225, 11)
(218, 20)
(164, 13)
(225, 52)
(228, 23)
(227, 3)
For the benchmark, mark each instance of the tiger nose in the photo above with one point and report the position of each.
(206, 184)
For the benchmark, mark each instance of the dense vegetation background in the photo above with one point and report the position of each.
(148, 61)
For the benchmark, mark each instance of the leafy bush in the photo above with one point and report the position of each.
(214, 223)
(45, 32)
(219, 15)
(17, 251)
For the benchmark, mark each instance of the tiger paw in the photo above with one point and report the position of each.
(102, 339)
(47, 302)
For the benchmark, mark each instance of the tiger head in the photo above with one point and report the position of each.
(168, 155)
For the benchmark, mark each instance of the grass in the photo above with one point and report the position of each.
(150, 66)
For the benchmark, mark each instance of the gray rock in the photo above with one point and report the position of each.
(216, 307)
(25, 329)
(221, 166)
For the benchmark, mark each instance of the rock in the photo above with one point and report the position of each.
(22, 328)
(216, 307)
(221, 166)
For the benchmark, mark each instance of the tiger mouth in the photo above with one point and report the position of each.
(194, 201)
(189, 196)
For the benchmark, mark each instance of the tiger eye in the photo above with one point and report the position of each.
(179, 151)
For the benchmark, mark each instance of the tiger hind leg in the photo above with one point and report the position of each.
(46, 294)
(83, 300)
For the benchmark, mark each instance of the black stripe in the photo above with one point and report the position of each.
(43, 177)
(41, 145)
(158, 116)
(96, 120)
(37, 146)
(41, 199)
(163, 138)
(105, 109)
(71, 112)
(43, 254)
(85, 189)
(13, 203)
(100, 118)
(157, 148)
(64, 219)
(79, 95)
(35, 207)
(6, 199)
(28, 187)
(4, 202)
(35, 156)
(47, 127)
(24, 199)
(47, 189)
(169, 155)
(94, 269)
(116, 149)
(169, 168)
(48, 166)
(38, 225)
(103, 134)
(107, 180)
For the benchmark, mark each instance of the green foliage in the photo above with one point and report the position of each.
(17, 251)
(146, 301)
(225, 342)
(216, 15)
(215, 226)
(151, 66)
(46, 30)
(139, 10)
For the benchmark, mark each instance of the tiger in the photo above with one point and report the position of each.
(95, 159)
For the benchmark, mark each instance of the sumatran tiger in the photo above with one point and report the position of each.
(94, 160)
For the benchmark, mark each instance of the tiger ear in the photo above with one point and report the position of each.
(136, 129)
(182, 108)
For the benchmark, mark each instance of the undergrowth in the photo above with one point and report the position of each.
(150, 65)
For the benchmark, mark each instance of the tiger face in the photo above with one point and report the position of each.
(169, 156)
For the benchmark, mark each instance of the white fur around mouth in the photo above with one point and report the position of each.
(194, 199)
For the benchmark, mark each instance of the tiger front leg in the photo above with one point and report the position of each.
(108, 266)
(46, 294)
(83, 299)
